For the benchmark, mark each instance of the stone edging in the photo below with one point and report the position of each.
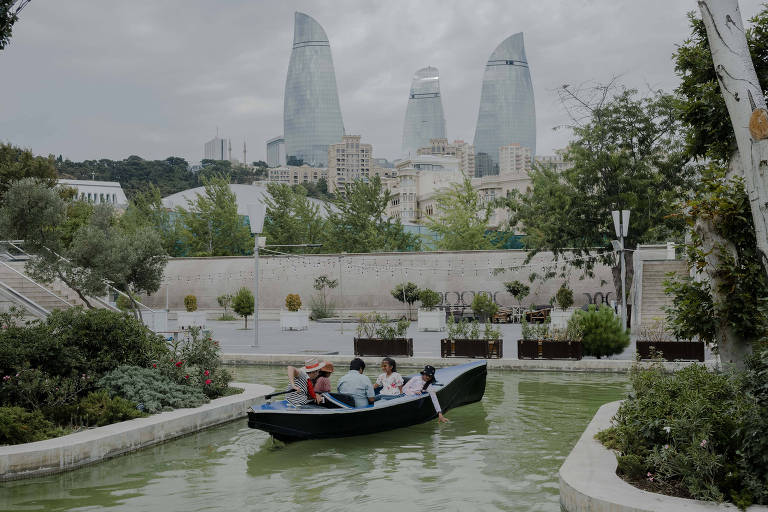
(585, 365)
(588, 480)
(97, 444)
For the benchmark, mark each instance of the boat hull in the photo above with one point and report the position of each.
(465, 386)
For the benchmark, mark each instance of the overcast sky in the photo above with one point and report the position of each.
(111, 78)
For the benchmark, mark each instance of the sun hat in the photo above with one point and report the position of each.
(311, 365)
(326, 366)
(429, 371)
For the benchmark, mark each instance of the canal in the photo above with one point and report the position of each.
(500, 454)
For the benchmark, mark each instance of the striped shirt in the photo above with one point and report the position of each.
(307, 393)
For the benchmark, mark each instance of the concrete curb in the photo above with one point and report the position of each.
(588, 480)
(553, 365)
(97, 444)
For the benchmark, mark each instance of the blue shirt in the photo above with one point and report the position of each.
(358, 386)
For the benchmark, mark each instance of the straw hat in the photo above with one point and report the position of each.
(326, 366)
(312, 365)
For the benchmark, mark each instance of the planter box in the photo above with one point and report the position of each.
(294, 320)
(186, 319)
(540, 349)
(672, 350)
(486, 349)
(431, 320)
(382, 348)
(559, 317)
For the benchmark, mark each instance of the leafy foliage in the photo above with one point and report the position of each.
(293, 302)
(196, 361)
(407, 293)
(98, 409)
(564, 296)
(375, 325)
(429, 299)
(321, 307)
(18, 425)
(190, 303)
(17, 163)
(483, 306)
(601, 331)
(518, 290)
(292, 218)
(691, 314)
(150, 389)
(460, 219)
(465, 330)
(243, 303)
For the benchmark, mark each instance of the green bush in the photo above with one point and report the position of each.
(243, 303)
(483, 306)
(35, 389)
(18, 425)
(96, 410)
(190, 303)
(150, 389)
(601, 331)
(564, 297)
(196, 361)
(429, 299)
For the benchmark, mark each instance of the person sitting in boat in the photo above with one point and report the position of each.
(425, 384)
(300, 379)
(357, 385)
(390, 383)
(323, 382)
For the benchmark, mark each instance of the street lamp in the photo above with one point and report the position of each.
(621, 227)
(256, 213)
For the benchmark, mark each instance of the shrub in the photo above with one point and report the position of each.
(518, 290)
(18, 425)
(35, 389)
(491, 333)
(374, 325)
(190, 303)
(457, 330)
(293, 302)
(225, 301)
(564, 297)
(123, 302)
(321, 306)
(99, 409)
(196, 361)
(483, 306)
(429, 299)
(242, 303)
(601, 331)
(407, 293)
(150, 389)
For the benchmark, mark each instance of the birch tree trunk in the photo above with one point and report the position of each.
(746, 105)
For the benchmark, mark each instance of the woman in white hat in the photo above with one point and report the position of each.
(300, 379)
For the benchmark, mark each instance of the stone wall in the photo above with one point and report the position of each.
(366, 279)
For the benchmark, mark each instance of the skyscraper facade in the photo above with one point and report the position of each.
(216, 149)
(424, 118)
(276, 151)
(311, 114)
(507, 113)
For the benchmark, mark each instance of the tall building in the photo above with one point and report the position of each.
(349, 161)
(465, 153)
(291, 175)
(514, 159)
(276, 151)
(424, 118)
(216, 149)
(311, 113)
(507, 113)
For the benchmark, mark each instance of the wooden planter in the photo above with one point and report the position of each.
(672, 350)
(486, 349)
(543, 349)
(381, 347)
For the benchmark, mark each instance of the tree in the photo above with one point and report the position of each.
(242, 304)
(17, 163)
(627, 154)
(407, 293)
(460, 219)
(518, 290)
(357, 221)
(291, 218)
(225, 301)
(321, 308)
(9, 14)
(601, 331)
(146, 209)
(210, 225)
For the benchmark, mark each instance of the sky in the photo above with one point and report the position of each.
(114, 78)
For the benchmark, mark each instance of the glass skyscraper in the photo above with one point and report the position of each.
(311, 113)
(424, 118)
(507, 113)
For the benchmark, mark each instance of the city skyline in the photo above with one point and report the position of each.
(174, 86)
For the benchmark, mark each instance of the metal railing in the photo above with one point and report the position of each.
(38, 285)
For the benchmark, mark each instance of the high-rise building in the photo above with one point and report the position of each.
(424, 118)
(349, 161)
(311, 113)
(296, 175)
(514, 159)
(465, 153)
(216, 149)
(276, 151)
(507, 112)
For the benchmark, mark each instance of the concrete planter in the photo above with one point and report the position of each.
(545, 349)
(186, 319)
(672, 350)
(487, 349)
(294, 320)
(559, 317)
(382, 348)
(431, 320)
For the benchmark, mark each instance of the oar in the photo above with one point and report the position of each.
(267, 397)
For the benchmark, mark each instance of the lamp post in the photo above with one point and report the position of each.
(621, 227)
(256, 213)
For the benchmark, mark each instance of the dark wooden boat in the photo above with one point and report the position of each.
(457, 385)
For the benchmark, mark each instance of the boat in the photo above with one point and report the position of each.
(456, 386)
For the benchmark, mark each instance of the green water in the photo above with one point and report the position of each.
(500, 454)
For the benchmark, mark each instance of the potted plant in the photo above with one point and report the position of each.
(542, 341)
(484, 307)
(294, 319)
(464, 340)
(430, 319)
(564, 299)
(191, 317)
(377, 335)
(601, 331)
(407, 293)
(655, 340)
(519, 291)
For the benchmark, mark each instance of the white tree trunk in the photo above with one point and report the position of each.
(746, 104)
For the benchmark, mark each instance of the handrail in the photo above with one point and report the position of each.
(46, 290)
(13, 243)
(23, 298)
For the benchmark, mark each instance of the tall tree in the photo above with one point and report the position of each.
(210, 225)
(292, 218)
(9, 14)
(460, 218)
(146, 209)
(627, 154)
(357, 221)
(17, 163)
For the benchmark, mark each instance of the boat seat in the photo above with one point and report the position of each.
(339, 401)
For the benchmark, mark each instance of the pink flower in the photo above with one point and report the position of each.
(666, 446)
(186, 376)
(178, 364)
(649, 474)
(206, 373)
(703, 443)
(6, 377)
(651, 479)
(154, 365)
(208, 381)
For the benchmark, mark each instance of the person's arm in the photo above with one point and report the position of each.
(378, 383)
(292, 373)
(399, 383)
(371, 393)
(436, 403)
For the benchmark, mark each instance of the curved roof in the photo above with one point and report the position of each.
(512, 48)
(307, 30)
(424, 117)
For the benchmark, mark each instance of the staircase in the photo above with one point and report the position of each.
(16, 286)
(653, 297)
